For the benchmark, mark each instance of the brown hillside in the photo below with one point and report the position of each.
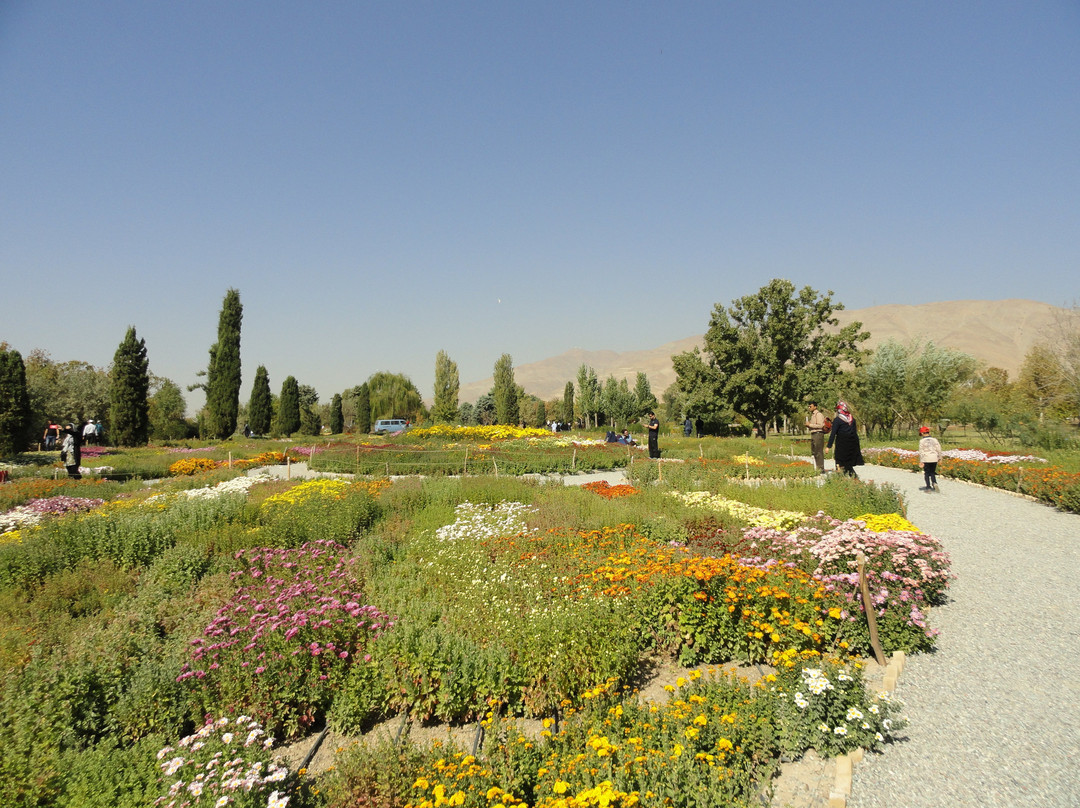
(998, 333)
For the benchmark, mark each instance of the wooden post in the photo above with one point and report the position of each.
(700, 451)
(358, 458)
(465, 470)
(288, 467)
(871, 615)
(573, 461)
(496, 465)
(230, 459)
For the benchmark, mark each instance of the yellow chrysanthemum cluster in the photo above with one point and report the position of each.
(478, 433)
(747, 459)
(755, 517)
(193, 465)
(881, 522)
(307, 491)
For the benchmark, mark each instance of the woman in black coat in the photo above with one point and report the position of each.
(846, 436)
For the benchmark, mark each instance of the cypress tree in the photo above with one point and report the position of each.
(261, 405)
(289, 407)
(362, 395)
(14, 403)
(568, 403)
(337, 418)
(223, 373)
(129, 391)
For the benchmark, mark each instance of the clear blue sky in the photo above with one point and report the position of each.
(382, 180)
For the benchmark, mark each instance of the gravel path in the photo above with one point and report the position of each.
(995, 712)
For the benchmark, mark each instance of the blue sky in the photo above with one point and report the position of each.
(382, 181)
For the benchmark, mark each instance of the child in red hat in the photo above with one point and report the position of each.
(929, 457)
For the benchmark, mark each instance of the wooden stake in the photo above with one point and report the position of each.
(871, 615)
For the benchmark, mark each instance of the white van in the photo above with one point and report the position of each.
(388, 426)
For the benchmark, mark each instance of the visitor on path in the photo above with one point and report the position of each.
(687, 427)
(52, 434)
(625, 438)
(99, 433)
(654, 436)
(815, 422)
(845, 433)
(89, 432)
(929, 457)
(71, 451)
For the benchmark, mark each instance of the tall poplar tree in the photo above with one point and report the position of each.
(129, 392)
(505, 391)
(223, 372)
(15, 426)
(261, 404)
(289, 407)
(447, 386)
(568, 403)
(362, 404)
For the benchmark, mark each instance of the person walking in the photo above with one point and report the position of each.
(845, 433)
(71, 451)
(687, 427)
(929, 457)
(815, 422)
(654, 436)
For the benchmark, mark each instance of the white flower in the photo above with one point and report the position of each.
(801, 701)
(195, 788)
(276, 802)
(222, 802)
(171, 767)
(841, 730)
(853, 714)
(227, 738)
(880, 737)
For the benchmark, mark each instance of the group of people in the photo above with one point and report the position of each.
(653, 430)
(844, 432)
(70, 439)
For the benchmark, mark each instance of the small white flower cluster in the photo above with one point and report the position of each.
(217, 774)
(237, 485)
(479, 522)
(18, 518)
(816, 681)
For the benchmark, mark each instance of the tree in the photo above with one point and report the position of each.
(568, 403)
(505, 392)
(310, 423)
(337, 418)
(484, 411)
(393, 395)
(15, 414)
(762, 353)
(588, 399)
(288, 413)
(361, 396)
(70, 392)
(447, 385)
(260, 405)
(223, 372)
(166, 410)
(644, 400)
(129, 405)
(466, 414)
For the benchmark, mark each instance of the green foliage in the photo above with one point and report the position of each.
(69, 392)
(447, 385)
(505, 392)
(310, 423)
(824, 705)
(15, 424)
(166, 411)
(223, 372)
(337, 419)
(288, 412)
(362, 404)
(393, 395)
(111, 774)
(376, 776)
(567, 415)
(588, 398)
(129, 408)
(260, 407)
(767, 351)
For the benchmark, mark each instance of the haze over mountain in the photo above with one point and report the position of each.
(998, 333)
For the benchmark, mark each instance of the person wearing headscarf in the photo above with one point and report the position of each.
(71, 451)
(845, 434)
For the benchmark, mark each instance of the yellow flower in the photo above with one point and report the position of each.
(560, 786)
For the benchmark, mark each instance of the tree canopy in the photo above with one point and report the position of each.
(223, 372)
(261, 406)
(765, 352)
(15, 423)
(447, 387)
(129, 405)
(505, 392)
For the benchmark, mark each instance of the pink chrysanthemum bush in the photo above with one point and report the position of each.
(287, 639)
(906, 572)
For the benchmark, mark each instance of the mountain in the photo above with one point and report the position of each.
(998, 333)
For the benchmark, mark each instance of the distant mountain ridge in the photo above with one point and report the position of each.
(996, 332)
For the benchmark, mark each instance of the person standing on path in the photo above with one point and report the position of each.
(654, 436)
(929, 457)
(71, 451)
(815, 422)
(845, 433)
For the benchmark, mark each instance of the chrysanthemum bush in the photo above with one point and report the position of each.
(715, 742)
(906, 572)
(226, 763)
(286, 639)
(193, 465)
(758, 517)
